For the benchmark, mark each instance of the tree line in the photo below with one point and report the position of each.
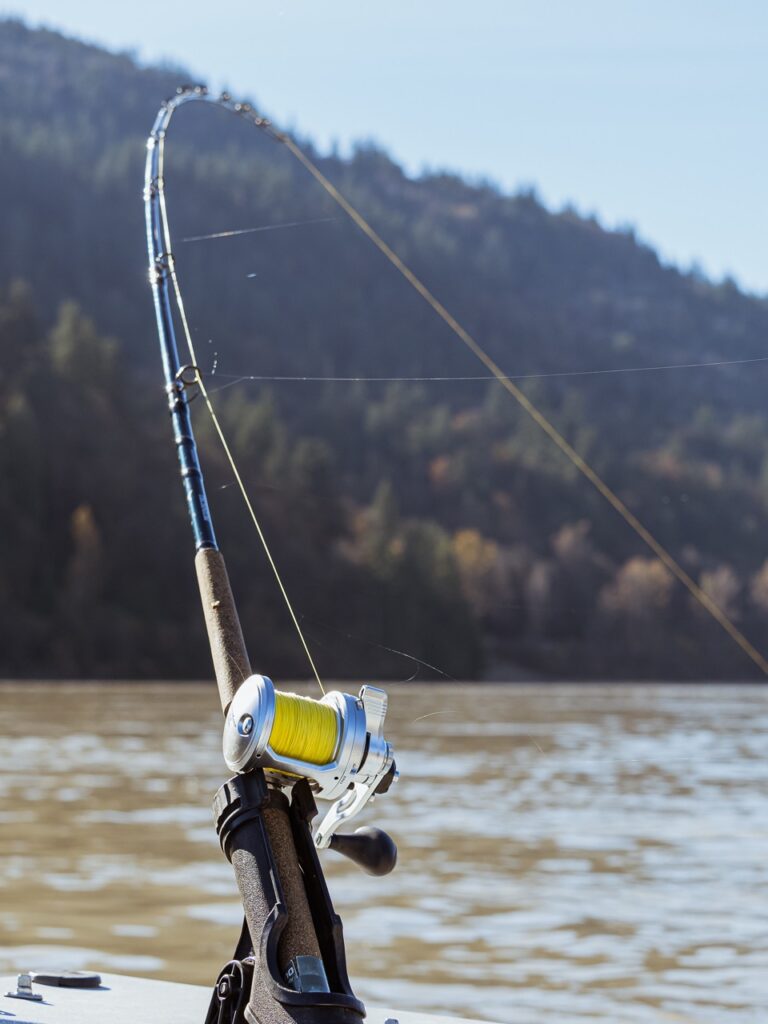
(418, 523)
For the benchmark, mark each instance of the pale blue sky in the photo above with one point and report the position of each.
(650, 113)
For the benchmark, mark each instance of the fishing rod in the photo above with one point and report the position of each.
(290, 961)
(285, 750)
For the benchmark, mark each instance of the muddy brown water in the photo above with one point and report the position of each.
(567, 853)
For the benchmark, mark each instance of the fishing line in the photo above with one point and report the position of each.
(382, 647)
(235, 378)
(198, 380)
(326, 647)
(304, 728)
(530, 408)
(263, 227)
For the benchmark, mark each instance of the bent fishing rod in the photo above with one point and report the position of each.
(285, 750)
(290, 963)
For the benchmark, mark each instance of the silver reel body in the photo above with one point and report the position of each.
(361, 760)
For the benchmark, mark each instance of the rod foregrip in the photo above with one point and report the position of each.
(231, 665)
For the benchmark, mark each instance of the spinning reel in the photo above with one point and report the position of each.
(336, 743)
(281, 744)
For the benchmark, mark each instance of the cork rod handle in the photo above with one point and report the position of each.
(225, 637)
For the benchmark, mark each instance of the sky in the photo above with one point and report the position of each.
(650, 114)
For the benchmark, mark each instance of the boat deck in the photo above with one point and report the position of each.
(126, 1000)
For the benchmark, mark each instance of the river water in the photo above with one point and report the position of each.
(567, 853)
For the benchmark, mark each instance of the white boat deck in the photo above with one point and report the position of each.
(126, 1000)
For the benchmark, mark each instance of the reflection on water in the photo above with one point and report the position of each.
(566, 853)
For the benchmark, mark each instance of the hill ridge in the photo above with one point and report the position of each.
(463, 534)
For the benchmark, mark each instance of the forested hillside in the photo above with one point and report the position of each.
(427, 517)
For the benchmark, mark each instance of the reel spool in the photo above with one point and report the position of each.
(336, 743)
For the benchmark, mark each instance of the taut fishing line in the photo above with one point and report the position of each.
(533, 411)
(234, 378)
(665, 557)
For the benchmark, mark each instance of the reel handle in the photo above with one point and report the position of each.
(370, 848)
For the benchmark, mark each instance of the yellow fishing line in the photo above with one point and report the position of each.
(304, 729)
(533, 411)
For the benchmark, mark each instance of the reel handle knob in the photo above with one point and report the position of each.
(370, 848)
